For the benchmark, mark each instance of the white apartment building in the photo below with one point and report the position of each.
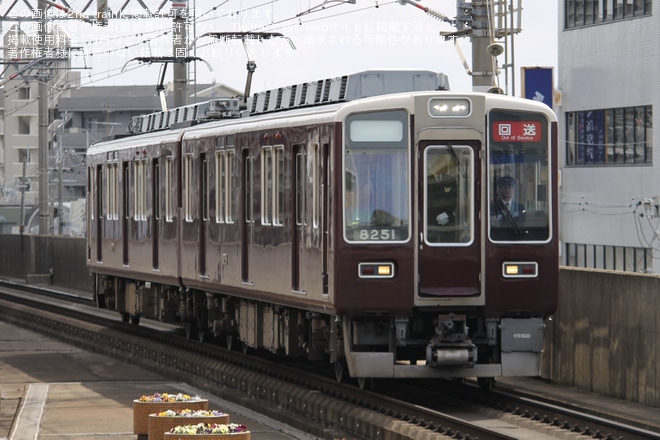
(608, 103)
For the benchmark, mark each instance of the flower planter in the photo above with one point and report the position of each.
(159, 424)
(142, 410)
(234, 436)
(232, 431)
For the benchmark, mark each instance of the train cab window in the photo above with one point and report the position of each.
(518, 177)
(376, 180)
(448, 195)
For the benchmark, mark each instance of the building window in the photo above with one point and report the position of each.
(23, 125)
(23, 155)
(579, 13)
(24, 93)
(620, 136)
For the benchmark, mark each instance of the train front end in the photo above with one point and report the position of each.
(446, 259)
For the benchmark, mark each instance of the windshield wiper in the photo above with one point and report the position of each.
(509, 218)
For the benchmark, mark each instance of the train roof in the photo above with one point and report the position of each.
(318, 101)
(305, 95)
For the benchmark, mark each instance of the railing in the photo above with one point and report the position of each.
(626, 259)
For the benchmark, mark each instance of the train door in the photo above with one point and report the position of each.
(310, 213)
(449, 257)
(247, 214)
(99, 212)
(324, 200)
(155, 215)
(298, 177)
(204, 210)
(125, 215)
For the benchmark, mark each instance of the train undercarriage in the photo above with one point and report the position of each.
(435, 344)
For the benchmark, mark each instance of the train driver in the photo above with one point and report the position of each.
(504, 202)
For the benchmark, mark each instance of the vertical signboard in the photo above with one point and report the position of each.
(537, 84)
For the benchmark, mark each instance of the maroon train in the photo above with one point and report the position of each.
(354, 219)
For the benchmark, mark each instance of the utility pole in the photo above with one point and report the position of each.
(485, 22)
(180, 51)
(483, 73)
(44, 210)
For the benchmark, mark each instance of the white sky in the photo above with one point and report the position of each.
(342, 38)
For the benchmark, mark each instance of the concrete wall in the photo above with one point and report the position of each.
(605, 335)
(59, 261)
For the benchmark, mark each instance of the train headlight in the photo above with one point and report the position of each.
(449, 107)
(376, 270)
(520, 269)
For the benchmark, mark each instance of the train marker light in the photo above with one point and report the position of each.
(520, 269)
(449, 107)
(376, 270)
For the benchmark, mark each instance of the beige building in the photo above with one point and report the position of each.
(19, 135)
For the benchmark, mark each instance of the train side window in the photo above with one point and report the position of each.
(204, 187)
(278, 202)
(220, 186)
(136, 190)
(300, 187)
(314, 177)
(91, 188)
(249, 217)
(188, 189)
(100, 203)
(140, 190)
(111, 191)
(267, 190)
(108, 186)
(115, 190)
(229, 187)
(169, 169)
(156, 188)
(125, 192)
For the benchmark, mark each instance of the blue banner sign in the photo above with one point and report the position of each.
(537, 84)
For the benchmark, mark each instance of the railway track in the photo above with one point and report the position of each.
(318, 405)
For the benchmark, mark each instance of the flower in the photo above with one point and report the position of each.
(209, 428)
(190, 413)
(167, 397)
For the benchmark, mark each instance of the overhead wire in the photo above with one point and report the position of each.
(145, 39)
